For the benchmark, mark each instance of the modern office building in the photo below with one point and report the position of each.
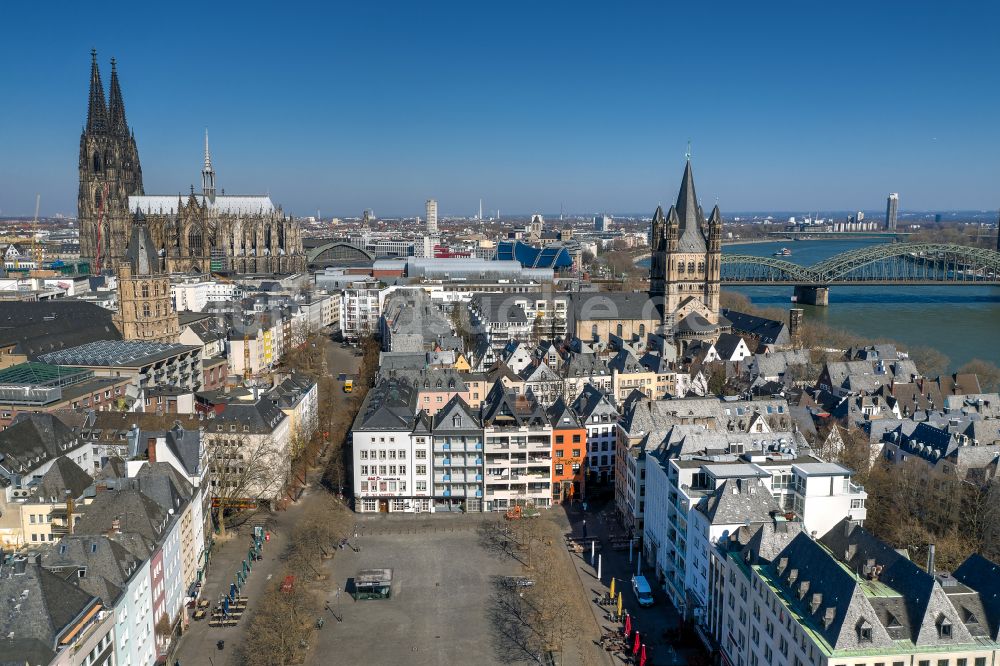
(891, 210)
(432, 216)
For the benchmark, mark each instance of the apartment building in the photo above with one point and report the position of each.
(598, 414)
(646, 423)
(518, 451)
(458, 458)
(849, 599)
(385, 460)
(702, 485)
(569, 453)
(361, 307)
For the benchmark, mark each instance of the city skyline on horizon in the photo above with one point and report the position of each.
(582, 132)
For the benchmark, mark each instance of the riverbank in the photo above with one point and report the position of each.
(725, 243)
(960, 322)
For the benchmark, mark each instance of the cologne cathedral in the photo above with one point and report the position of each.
(195, 232)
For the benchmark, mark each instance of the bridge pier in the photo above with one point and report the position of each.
(812, 295)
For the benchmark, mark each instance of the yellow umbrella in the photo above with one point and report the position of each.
(619, 604)
(612, 588)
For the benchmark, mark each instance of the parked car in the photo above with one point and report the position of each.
(643, 593)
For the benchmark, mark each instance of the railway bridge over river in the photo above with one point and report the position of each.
(910, 264)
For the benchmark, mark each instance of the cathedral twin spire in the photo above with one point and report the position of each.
(104, 117)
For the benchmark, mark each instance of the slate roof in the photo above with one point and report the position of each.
(291, 391)
(24, 651)
(562, 416)
(494, 307)
(643, 415)
(444, 422)
(625, 362)
(737, 501)
(982, 575)
(503, 408)
(761, 544)
(538, 373)
(585, 365)
(688, 215)
(31, 440)
(262, 416)
(769, 331)
(109, 565)
(41, 327)
(389, 405)
(615, 305)
(695, 323)
(727, 344)
(63, 475)
(46, 605)
(907, 600)
(591, 400)
(134, 512)
(776, 364)
(140, 252)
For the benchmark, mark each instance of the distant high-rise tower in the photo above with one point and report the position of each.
(432, 216)
(891, 210)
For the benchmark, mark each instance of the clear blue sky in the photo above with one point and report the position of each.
(352, 105)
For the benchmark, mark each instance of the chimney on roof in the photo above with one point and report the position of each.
(930, 559)
(817, 600)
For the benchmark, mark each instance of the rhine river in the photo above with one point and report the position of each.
(961, 322)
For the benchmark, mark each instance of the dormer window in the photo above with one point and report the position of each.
(456, 421)
(944, 627)
(864, 631)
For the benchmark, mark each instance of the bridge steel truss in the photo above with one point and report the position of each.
(337, 250)
(897, 263)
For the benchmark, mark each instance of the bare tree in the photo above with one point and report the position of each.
(279, 627)
(245, 470)
(988, 373)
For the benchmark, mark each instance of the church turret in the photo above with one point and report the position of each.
(657, 252)
(208, 174)
(715, 230)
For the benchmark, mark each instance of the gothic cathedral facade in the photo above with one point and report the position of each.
(685, 267)
(202, 233)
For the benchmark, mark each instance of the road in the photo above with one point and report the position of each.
(198, 645)
(652, 622)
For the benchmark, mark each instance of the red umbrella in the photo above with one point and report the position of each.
(642, 656)
(628, 624)
(635, 648)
